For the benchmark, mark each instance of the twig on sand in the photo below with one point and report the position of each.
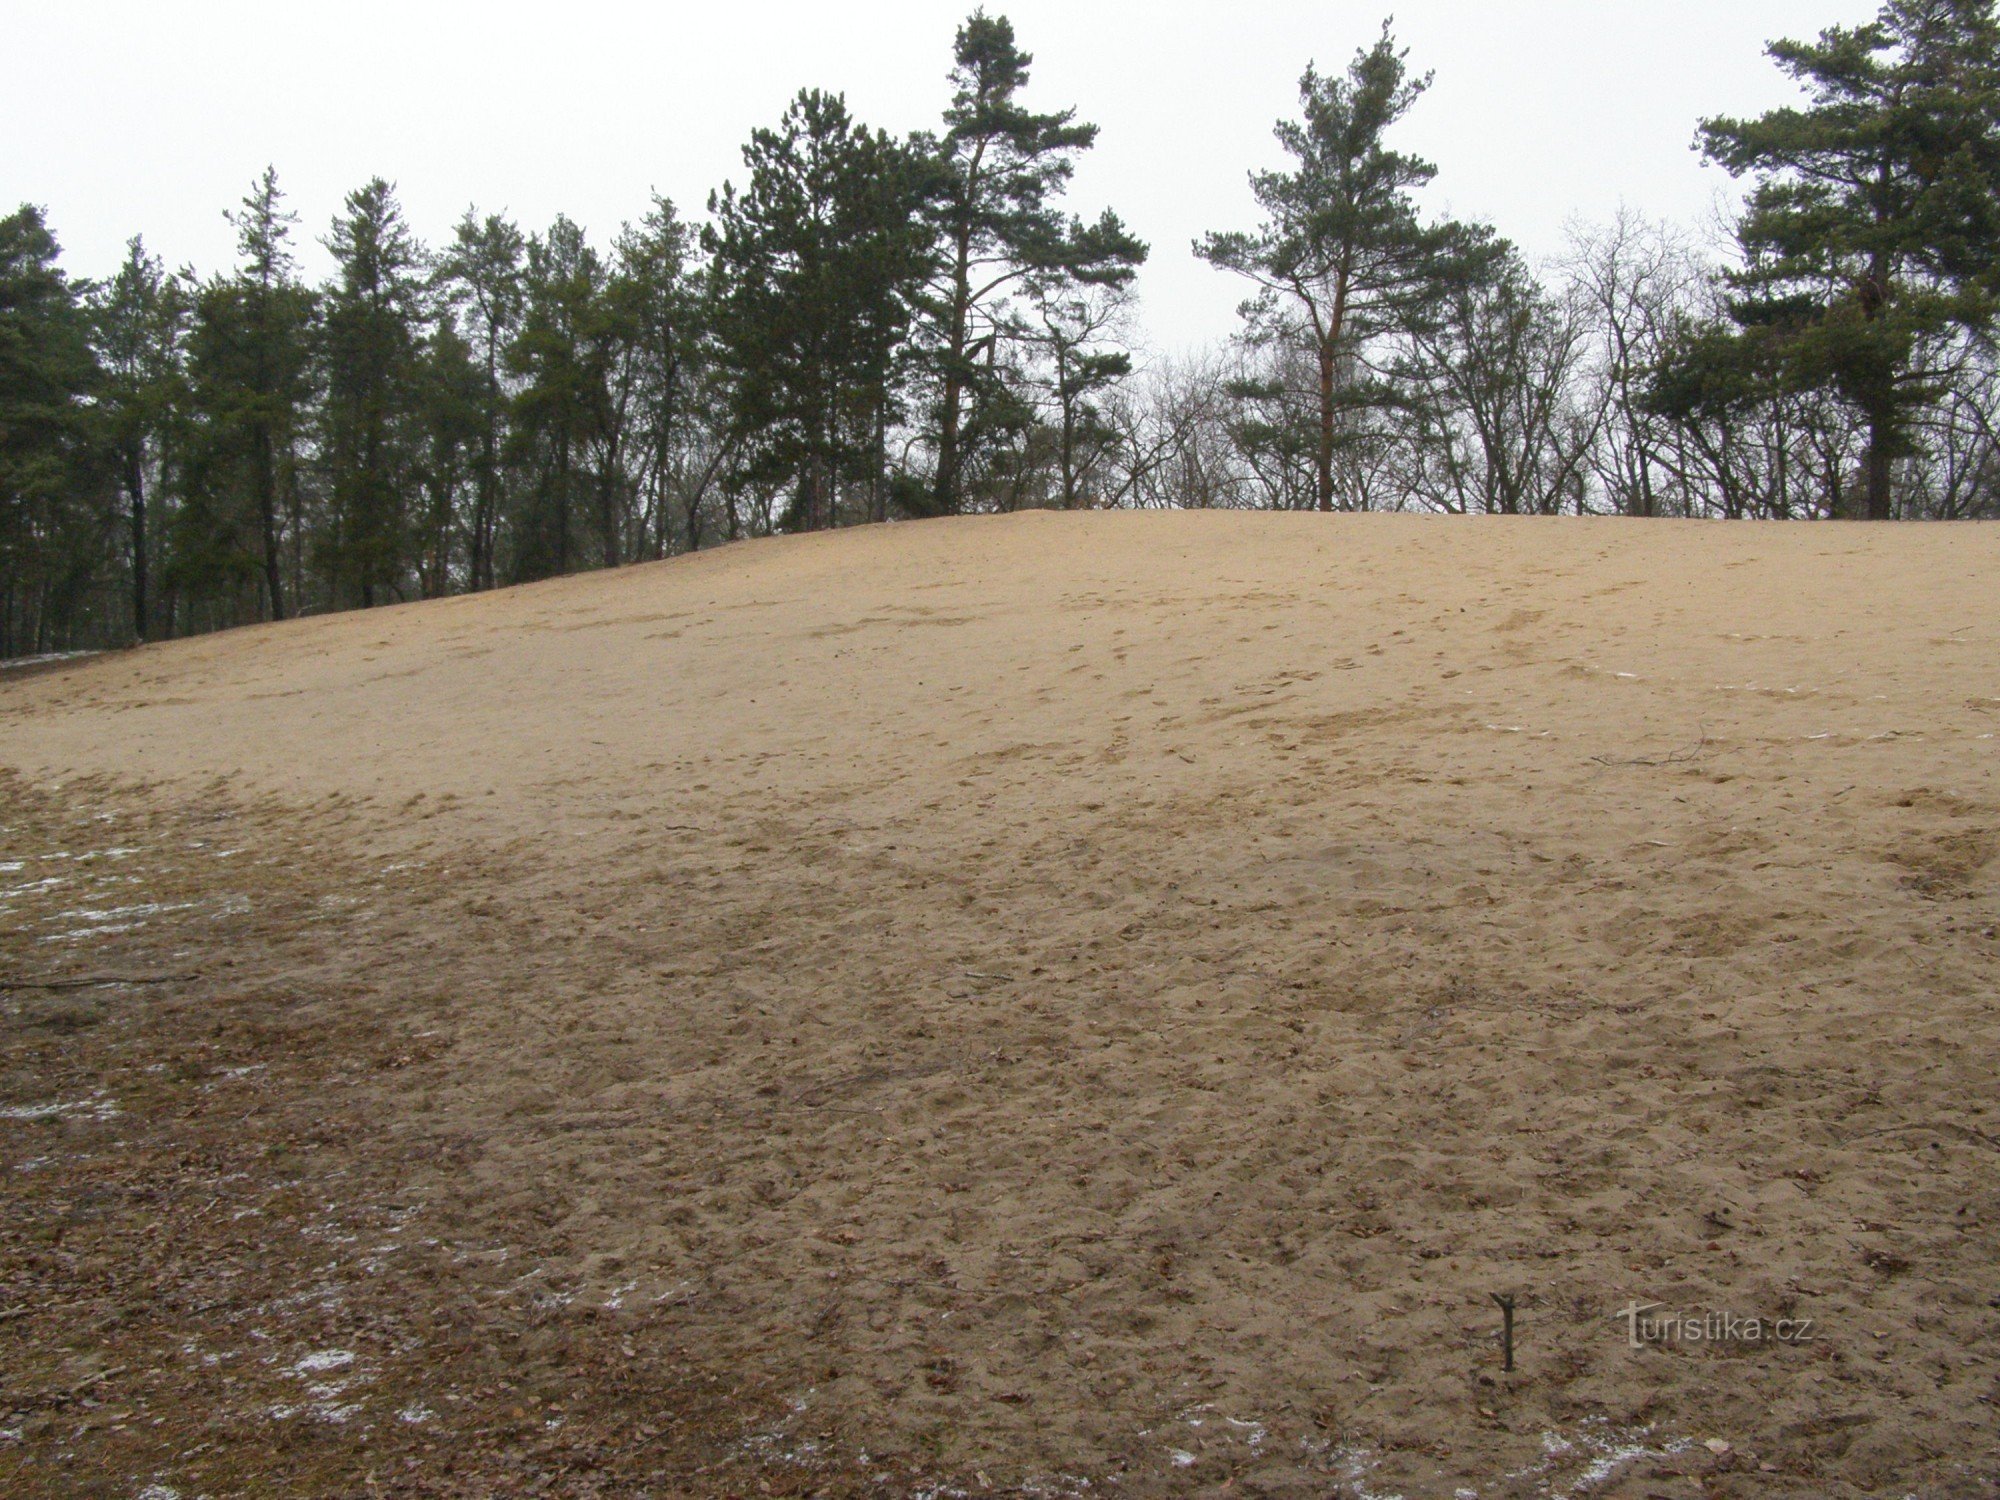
(992, 978)
(1678, 758)
(1506, 1306)
(94, 981)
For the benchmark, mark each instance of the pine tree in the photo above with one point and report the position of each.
(1004, 168)
(559, 404)
(1874, 227)
(276, 312)
(661, 309)
(50, 534)
(818, 263)
(141, 325)
(450, 406)
(1344, 257)
(612, 332)
(249, 355)
(481, 276)
(374, 323)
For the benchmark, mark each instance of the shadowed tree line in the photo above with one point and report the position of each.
(869, 327)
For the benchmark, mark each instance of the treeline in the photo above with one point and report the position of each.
(872, 327)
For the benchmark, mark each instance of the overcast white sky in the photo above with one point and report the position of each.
(128, 117)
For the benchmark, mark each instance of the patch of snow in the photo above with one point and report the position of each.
(325, 1396)
(47, 658)
(29, 890)
(97, 1107)
(1356, 1464)
(1054, 1487)
(114, 919)
(1255, 1430)
(325, 1359)
(121, 913)
(1605, 1452)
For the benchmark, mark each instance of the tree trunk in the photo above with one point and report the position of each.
(1329, 348)
(1875, 296)
(483, 507)
(1069, 455)
(808, 496)
(562, 505)
(954, 380)
(694, 517)
(879, 468)
(1881, 473)
(1324, 457)
(607, 511)
(267, 508)
(135, 482)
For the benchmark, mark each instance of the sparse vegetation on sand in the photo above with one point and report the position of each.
(1089, 1004)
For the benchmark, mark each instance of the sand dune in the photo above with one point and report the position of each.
(1107, 998)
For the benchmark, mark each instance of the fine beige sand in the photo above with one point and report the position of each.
(1100, 1002)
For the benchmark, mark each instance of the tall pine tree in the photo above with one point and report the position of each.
(250, 372)
(559, 404)
(662, 311)
(1344, 257)
(481, 277)
(818, 262)
(998, 223)
(50, 539)
(450, 407)
(1874, 226)
(374, 325)
(141, 316)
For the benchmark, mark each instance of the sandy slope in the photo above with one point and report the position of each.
(1099, 995)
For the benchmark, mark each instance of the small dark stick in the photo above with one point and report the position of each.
(1507, 1327)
